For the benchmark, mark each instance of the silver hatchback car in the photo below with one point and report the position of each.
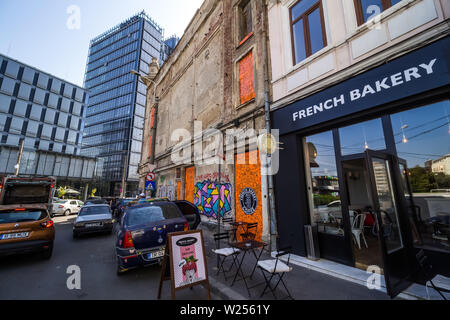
(95, 218)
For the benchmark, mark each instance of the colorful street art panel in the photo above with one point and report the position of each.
(248, 191)
(212, 199)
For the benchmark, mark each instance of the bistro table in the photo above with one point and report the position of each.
(245, 247)
(237, 225)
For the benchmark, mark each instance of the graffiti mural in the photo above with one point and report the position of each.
(212, 198)
(167, 192)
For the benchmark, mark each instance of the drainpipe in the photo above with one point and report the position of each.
(270, 189)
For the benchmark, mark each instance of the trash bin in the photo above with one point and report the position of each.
(312, 242)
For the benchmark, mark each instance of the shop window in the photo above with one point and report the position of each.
(422, 138)
(308, 29)
(245, 21)
(362, 136)
(325, 203)
(368, 9)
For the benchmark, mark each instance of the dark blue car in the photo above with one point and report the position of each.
(143, 229)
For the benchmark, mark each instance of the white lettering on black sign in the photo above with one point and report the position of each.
(378, 86)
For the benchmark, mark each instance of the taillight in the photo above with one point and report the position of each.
(47, 224)
(128, 240)
(60, 206)
(186, 226)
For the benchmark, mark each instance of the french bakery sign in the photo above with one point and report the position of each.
(416, 72)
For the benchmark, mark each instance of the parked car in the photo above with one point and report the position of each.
(122, 203)
(66, 207)
(27, 190)
(95, 218)
(143, 229)
(25, 223)
(332, 209)
(96, 200)
(26, 228)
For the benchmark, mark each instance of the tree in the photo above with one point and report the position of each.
(62, 191)
(421, 179)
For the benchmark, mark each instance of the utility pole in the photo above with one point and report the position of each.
(19, 158)
(125, 163)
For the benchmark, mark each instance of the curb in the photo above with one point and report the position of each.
(223, 291)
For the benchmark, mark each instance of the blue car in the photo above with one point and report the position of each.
(143, 229)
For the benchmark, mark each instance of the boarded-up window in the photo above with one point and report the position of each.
(189, 184)
(246, 79)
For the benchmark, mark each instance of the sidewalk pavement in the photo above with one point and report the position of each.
(303, 284)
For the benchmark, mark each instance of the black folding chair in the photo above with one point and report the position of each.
(227, 223)
(275, 267)
(250, 231)
(224, 253)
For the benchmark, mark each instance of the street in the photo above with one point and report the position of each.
(31, 277)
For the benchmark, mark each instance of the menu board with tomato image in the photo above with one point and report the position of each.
(184, 262)
(188, 259)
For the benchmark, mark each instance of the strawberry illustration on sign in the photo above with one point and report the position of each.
(190, 269)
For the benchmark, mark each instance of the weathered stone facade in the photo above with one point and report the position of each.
(204, 80)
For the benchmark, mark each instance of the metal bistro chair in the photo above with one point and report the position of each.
(224, 253)
(358, 229)
(275, 267)
(250, 232)
(227, 223)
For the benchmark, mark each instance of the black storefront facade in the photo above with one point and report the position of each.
(364, 161)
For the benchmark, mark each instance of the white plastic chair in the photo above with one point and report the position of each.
(358, 229)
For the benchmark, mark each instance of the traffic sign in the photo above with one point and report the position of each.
(150, 176)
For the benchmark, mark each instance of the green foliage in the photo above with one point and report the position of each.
(423, 181)
(324, 199)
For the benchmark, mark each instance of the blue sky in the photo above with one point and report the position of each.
(36, 33)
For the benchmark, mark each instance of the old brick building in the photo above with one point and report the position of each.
(214, 79)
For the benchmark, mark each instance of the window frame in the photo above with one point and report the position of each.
(245, 7)
(306, 32)
(385, 4)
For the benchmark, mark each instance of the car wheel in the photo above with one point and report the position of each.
(67, 212)
(76, 235)
(48, 252)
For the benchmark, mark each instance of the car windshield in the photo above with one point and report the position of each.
(89, 211)
(21, 216)
(151, 213)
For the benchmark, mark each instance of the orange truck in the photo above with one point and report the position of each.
(25, 222)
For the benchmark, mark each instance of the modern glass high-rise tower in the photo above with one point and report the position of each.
(116, 107)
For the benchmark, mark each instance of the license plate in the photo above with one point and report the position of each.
(14, 235)
(93, 225)
(156, 254)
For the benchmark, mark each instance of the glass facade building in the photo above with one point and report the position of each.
(47, 113)
(116, 108)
